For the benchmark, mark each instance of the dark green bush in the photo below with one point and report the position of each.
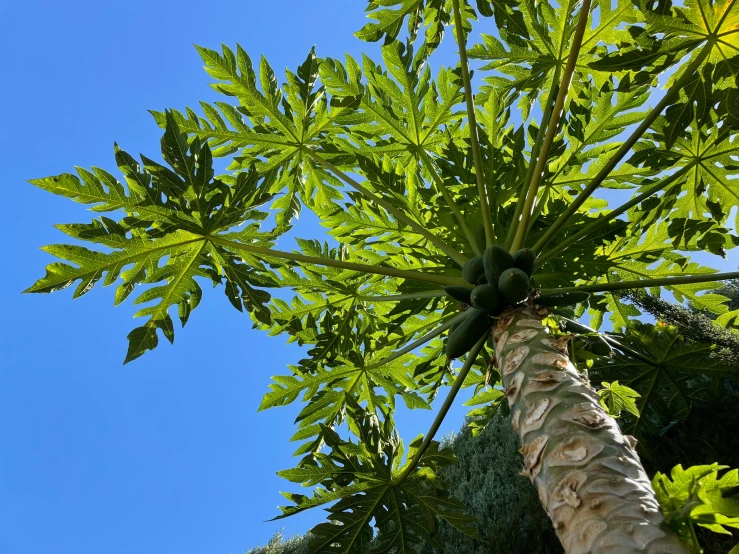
(487, 479)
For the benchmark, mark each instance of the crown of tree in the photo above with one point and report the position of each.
(472, 211)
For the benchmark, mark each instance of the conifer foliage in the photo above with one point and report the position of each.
(414, 175)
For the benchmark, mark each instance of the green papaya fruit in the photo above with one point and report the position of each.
(486, 298)
(480, 238)
(467, 333)
(496, 260)
(562, 298)
(461, 294)
(525, 259)
(472, 270)
(514, 285)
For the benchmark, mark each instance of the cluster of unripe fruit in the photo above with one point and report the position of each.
(500, 279)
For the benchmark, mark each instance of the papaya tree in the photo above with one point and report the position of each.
(465, 215)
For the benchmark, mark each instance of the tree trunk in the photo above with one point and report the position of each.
(588, 475)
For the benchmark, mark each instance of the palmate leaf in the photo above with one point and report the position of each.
(604, 114)
(163, 240)
(673, 31)
(678, 375)
(404, 103)
(270, 128)
(398, 108)
(534, 39)
(697, 495)
(711, 183)
(335, 383)
(659, 251)
(698, 20)
(615, 398)
(389, 16)
(366, 482)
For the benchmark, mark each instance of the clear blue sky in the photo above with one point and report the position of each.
(166, 454)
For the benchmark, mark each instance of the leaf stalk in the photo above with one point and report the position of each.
(557, 111)
(400, 216)
(419, 342)
(487, 221)
(365, 268)
(535, 149)
(615, 343)
(647, 283)
(399, 297)
(448, 401)
(625, 148)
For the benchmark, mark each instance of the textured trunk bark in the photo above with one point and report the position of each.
(589, 478)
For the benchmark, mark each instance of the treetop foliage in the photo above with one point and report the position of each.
(407, 169)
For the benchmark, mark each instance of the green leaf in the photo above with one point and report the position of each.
(379, 150)
(162, 241)
(368, 488)
(270, 128)
(696, 496)
(670, 376)
(432, 15)
(616, 398)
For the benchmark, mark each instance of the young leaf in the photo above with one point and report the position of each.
(697, 496)
(616, 398)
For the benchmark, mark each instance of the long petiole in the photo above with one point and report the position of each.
(535, 149)
(420, 342)
(522, 225)
(450, 202)
(588, 229)
(400, 216)
(639, 356)
(365, 268)
(624, 149)
(617, 344)
(408, 296)
(448, 401)
(646, 283)
(539, 208)
(487, 220)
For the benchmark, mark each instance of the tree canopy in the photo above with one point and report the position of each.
(413, 173)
